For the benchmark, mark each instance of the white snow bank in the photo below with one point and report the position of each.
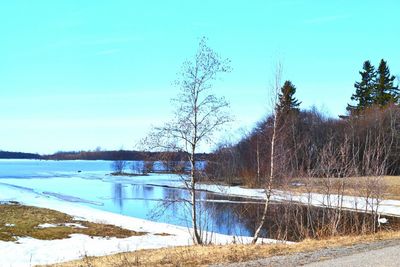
(74, 225)
(51, 225)
(387, 207)
(29, 251)
(46, 225)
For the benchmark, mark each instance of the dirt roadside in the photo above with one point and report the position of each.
(378, 253)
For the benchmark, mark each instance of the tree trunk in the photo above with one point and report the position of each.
(258, 163)
(196, 235)
(268, 190)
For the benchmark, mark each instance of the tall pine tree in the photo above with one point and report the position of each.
(385, 92)
(287, 103)
(364, 89)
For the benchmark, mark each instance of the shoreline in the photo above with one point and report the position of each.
(29, 251)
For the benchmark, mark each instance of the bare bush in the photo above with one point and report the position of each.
(118, 166)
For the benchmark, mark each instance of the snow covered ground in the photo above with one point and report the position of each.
(36, 177)
(29, 251)
(385, 207)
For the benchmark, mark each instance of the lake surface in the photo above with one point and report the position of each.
(154, 197)
(161, 197)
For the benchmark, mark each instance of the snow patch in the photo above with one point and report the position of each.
(50, 225)
(74, 225)
(29, 251)
(46, 225)
(385, 207)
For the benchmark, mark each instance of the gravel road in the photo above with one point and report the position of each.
(387, 257)
(381, 253)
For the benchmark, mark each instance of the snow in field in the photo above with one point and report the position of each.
(388, 207)
(385, 207)
(29, 251)
(39, 184)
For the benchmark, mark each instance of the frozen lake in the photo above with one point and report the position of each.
(157, 197)
(162, 198)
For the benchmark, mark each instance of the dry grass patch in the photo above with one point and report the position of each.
(354, 185)
(393, 187)
(206, 255)
(24, 221)
(162, 234)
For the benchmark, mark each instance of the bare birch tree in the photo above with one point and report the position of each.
(268, 183)
(198, 115)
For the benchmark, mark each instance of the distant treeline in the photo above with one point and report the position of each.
(18, 155)
(120, 155)
(97, 155)
(103, 155)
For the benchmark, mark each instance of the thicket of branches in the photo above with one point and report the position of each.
(304, 146)
(288, 144)
(305, 139)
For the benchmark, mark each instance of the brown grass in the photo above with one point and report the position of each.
(23, 221)
(353, 188)
(205, 255)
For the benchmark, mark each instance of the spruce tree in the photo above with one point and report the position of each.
(385, 92)
(286, 101)
(364, 89)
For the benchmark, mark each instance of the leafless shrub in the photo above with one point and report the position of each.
(118, 166)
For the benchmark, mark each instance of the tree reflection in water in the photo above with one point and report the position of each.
(233, 215)
(118, 195)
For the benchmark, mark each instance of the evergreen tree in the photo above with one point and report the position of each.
(286, 101)
(385, 92)
(364, 89)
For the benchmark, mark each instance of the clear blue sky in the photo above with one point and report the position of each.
(80, 74)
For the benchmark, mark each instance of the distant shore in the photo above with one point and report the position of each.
(110, 155)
